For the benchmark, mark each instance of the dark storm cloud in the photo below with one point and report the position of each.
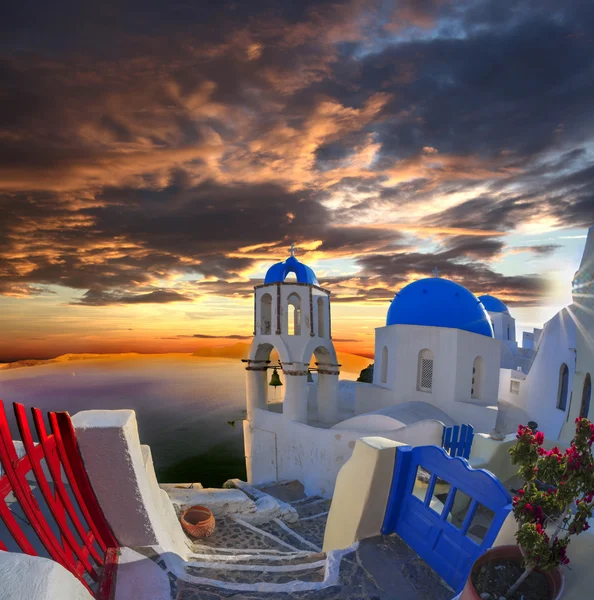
(95, 297)
(395, 271)
(520, 89)
(146, 141)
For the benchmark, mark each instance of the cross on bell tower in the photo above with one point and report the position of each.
(292, 249)
(435, 272)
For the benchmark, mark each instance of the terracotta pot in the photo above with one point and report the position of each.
(198, 521)
(555, 577)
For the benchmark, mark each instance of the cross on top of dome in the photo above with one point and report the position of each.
(279, 271)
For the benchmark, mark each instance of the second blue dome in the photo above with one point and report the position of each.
(493, 304)
(437, 302)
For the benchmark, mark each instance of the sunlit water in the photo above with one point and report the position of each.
(183, 405)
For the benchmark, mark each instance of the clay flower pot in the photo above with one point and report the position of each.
(198, 521)
(512, 553)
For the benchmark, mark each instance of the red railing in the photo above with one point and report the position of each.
(85, 544)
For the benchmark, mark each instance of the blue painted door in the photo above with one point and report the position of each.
(443, 509)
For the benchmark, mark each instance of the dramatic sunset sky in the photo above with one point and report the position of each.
(157, 156)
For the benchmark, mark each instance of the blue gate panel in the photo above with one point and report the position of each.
(458, 440)
(447, 549)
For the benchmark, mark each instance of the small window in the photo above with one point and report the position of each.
(508, 332)
(425, 374)
(563, 387)
(477, 378)
(384, 372)
(321, 318)
(514, 386)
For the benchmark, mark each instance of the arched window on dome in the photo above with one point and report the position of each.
(294, 314)
(476, 389)
(384, 371)
(266, 314)
(586, 395)
(321, 317)
(425, 371)
(563, 387)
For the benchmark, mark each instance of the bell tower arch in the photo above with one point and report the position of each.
(293, 317)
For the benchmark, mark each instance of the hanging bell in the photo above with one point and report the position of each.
(309, 377)
(275, 379)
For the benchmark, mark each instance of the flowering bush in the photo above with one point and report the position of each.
(556, 500)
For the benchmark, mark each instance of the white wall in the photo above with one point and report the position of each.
(309, 454)
(123, 478)
(24, 577)
(539, 389)
(361, 495)
(501, 322)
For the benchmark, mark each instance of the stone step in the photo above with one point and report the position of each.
(310, 509)
(311, 530)
(302, 558)
(305, 500)
(233, 534)
(287, 491)
(293, 535)
(254, 574)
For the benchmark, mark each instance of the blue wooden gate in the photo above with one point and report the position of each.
(458, 440)
(444, 510)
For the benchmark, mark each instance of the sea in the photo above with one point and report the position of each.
(189, 409)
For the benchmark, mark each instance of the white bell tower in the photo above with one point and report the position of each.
(293, 317)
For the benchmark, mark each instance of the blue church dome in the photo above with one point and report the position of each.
(493, 304)
(436, 302)
(279, 272)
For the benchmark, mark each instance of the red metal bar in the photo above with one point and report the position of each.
(72, 480)
(15, 530)
(24, 495)
(60, 450)
(53, 462)
(107, 585)
(57, 514)
(63, 429)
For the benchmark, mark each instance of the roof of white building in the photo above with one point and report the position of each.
(437, 302)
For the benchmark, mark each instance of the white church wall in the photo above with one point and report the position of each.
(504, 326)
(454, 352)
(538, 392)
(309, 454)
(469, 347)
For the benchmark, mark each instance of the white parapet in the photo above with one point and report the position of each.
(123, 477)
(24, 577)
(361, 493)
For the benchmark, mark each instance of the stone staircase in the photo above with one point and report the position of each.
(283, 560)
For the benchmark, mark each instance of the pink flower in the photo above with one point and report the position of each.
(539, 437)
